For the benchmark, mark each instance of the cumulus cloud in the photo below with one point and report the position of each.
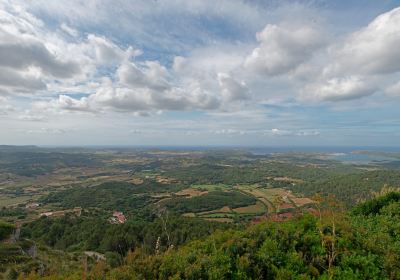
(231, 89)
(153, 76)
(26, 61)
(63, 103)
(20, 81)
(358, 65)
(339, 89)
(373, 49)
(283, 48)
(63, 63)
(139, 100)
(25, 53)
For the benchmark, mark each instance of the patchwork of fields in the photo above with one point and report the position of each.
(268, 202)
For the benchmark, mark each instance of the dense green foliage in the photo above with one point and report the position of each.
(337, 246)
(5, 212)
(34, 161)
(375, 206)
(350, 188)
(95, 233)
(110, 196)
(5, 229)
(211, 201)
(156, 242)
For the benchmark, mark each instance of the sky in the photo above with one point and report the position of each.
(200, 72)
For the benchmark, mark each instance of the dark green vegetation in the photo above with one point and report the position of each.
(350, 188)
(93, 233)
(340, 246)
(361, 245)
(109, 196)
(210, 201)
(5, 230)
(32, 161)
(181, 221)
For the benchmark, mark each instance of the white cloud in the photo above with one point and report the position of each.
(44, 130)
(359, 65)
(19, 53)
(28, 58)
(338, 89)
(282, 132)
(131, 97)
(283, 48)
(373, 49)
(80, 66)
(230, 131)
(63, 103)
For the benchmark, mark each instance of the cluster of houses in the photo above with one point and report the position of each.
(32, 205)
(117, 218)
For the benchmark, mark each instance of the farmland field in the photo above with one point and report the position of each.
(258, 208)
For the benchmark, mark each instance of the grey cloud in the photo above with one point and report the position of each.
(19, 81)
(63, 103)
(393, 90)
(153, 76)
(24, 54)
(231, 89)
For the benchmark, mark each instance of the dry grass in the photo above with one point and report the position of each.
(221, 220)
(165, 180)
(225, 209)
(285, 206)
(301, 201)
(251, 209)
(189, 215)
(273, 196)
(222, 210)
(191, 192)
(136, 181)
(288, 179)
